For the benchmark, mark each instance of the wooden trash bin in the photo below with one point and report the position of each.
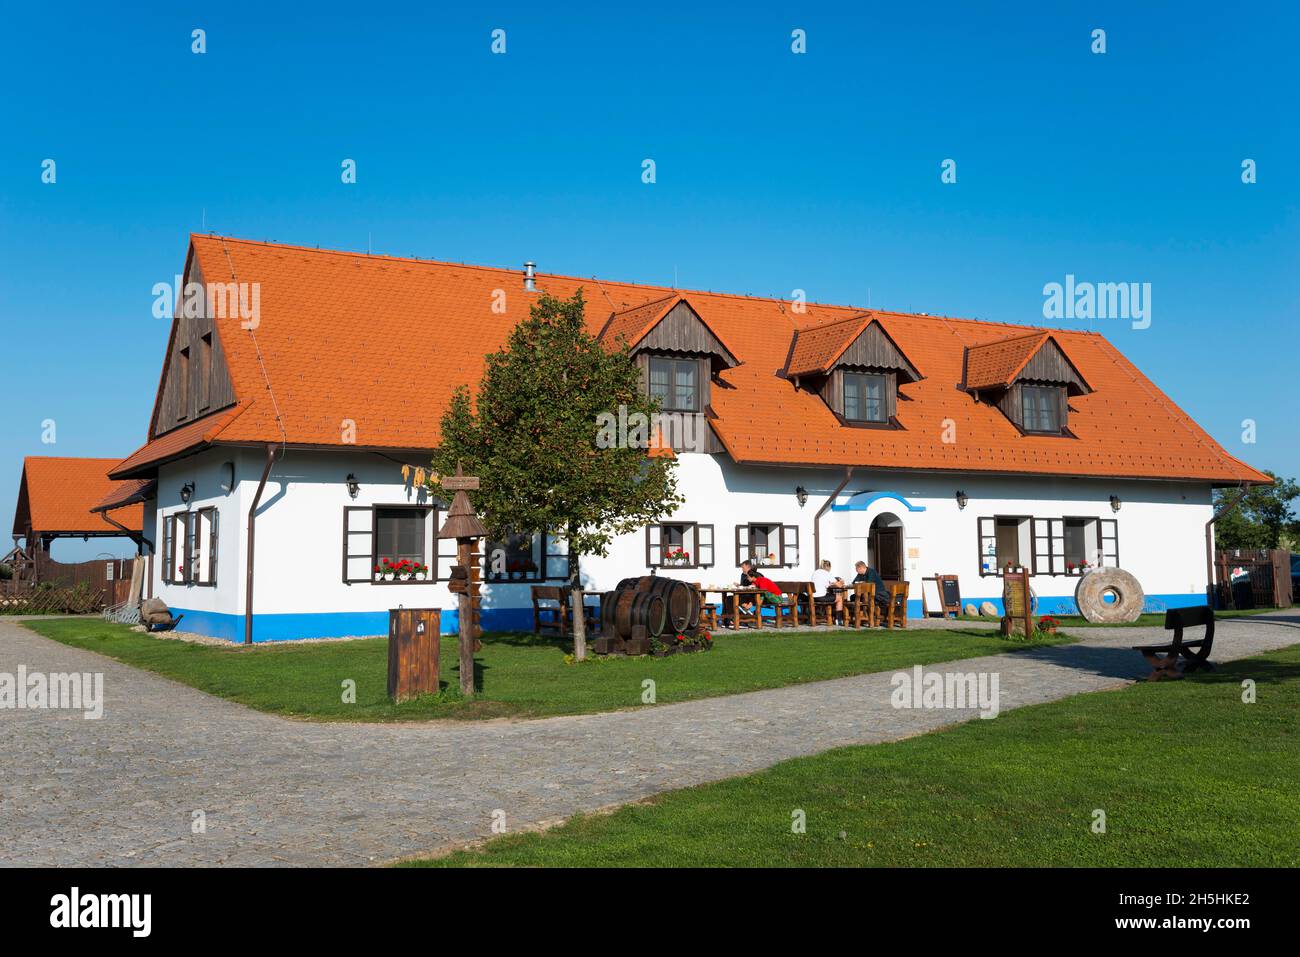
(413, 646)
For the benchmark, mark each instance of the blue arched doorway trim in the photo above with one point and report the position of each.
(864, 500)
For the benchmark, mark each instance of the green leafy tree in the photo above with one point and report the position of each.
(1262, 518)
(534, 438)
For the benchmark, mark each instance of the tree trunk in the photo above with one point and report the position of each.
(575, 595)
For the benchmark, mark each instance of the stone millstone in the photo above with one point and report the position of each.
(989, 610)
(971, 610)
(1128, 596)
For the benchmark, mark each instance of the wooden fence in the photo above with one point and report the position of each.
(1270, 576)
(26, 598)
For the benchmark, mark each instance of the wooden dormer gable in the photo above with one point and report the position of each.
(1029, 377)
(669, 325)
(195, 379)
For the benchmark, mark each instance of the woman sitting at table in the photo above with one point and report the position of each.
(827, 589)
(768, 592)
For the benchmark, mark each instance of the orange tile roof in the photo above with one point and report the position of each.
(177, 443)
(632, 325)
(998, 363)
(382, 342)
(57, 495)
(816, 349)
(129, 491)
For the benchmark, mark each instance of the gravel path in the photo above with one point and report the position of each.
(124, 790)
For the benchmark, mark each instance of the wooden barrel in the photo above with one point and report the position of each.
(631, 609)
(681, 599)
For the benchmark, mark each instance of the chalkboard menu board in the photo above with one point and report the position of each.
(946, 591)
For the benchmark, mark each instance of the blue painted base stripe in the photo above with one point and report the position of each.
(351, 623)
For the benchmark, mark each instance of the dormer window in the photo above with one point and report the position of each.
(1030, 378)
(676, 383)
(1041, 406)
(855, 366)
(865, 396)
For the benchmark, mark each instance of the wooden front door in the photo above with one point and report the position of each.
(887, 547)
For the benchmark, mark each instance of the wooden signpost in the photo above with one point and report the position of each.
(463, 525)
(1015, 599)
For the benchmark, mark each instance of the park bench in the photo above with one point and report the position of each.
(1195, 653)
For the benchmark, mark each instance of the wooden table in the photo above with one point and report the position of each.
(733, 594)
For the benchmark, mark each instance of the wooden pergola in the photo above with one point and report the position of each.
(72, 498)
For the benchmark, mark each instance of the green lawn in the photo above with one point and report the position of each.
(520, 675)
(1186, 774)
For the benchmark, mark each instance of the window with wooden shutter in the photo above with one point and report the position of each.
(168, 548)
(203, 560)
(1108, 542)
(557, 558)
(445, 551)
(358, 544)
(742, 544)
(703, 545)
(653, 551)
(790, 546)
(1048, 546)
(986, 530)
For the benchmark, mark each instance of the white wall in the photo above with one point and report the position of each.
(300, 529)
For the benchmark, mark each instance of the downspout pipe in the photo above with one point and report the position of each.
(271, 452)
(817, 519)
(1209, 542)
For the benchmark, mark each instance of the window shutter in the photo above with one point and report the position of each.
(742, 543)
(358, 544)
(703, 545)
(444, 551)
(652, 551)
(557, 558)
(1048, 546)
(1041, 547)
(205, 538)
(167, 549)
(988, 545)
(1108, 542)
(790, 546)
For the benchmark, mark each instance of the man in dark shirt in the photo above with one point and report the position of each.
(867, 574)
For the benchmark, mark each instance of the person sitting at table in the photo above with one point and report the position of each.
(865, 573)
(828, 589)
(768, 591)
(747, 581)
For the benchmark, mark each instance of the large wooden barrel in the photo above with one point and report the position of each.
(632, 609)
(681, 599)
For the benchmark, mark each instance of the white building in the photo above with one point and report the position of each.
(924, 445)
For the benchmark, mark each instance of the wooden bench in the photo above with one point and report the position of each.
(799, 596)
(1195, 653)
(558, 618)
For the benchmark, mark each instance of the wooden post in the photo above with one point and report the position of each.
(468, 607)
(463, 525)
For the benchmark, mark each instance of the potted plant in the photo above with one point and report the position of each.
(677, 557)
(1048, 625)
(421, 572)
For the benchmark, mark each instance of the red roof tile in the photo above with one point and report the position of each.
(382, 342)
(57, 495)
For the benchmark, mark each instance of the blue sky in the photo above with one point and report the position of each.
(775, 171)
